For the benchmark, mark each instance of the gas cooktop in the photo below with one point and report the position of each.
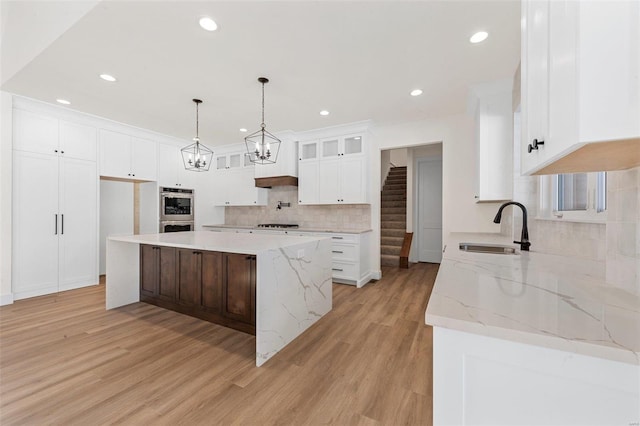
(277, 225)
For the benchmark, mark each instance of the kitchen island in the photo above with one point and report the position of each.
(293, 286)
(531, 338)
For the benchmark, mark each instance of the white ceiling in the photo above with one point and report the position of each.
(359, 60)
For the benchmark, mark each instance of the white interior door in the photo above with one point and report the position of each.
(429, 212)
(35, 224)
(78, 224)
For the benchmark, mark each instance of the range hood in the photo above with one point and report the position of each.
(269, 182)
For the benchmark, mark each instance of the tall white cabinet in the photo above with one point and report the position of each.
(55, 219)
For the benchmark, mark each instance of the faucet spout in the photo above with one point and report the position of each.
(524, 235)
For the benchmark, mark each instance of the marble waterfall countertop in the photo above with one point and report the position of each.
(216, 241)
(314, 230)
(553, 301)
(293, 277)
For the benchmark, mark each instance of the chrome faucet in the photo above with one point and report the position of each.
(524, 236)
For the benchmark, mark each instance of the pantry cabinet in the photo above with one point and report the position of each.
(55, 228)
(127, 157)
(580, 84)
(333, 171)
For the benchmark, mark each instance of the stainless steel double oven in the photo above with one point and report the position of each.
(176, 209)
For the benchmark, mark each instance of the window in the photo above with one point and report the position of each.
(579, 196)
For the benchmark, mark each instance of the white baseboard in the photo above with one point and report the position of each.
(376, 275)
(6, 299)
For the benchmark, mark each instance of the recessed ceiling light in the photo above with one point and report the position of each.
(416, 92)
(208, 23)
(243, 130)
(107, 77)
(63, 101)
(324, 112)
(479, 36)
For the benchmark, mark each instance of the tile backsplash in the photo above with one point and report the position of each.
(331, 217)
(623, 230)
(616, 242)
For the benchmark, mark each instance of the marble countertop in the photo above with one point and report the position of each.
(217, 241)
(553, 301)
(333, 231)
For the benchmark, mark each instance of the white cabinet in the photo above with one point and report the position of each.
(171, 171)
(333, 171)
(481, 380)
(308, 169)
(579, 83)
(235, 179)
(35, 132)
(238, 188)
(127, 157)
(350, 263)
(55, 229)
(494, 141)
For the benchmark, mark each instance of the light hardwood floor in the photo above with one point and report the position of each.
(64, 359)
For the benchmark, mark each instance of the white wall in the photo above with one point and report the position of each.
(385, 165)
(460, 211)
(399, 157)
(29, 27)
(6, 136)
(116, 214)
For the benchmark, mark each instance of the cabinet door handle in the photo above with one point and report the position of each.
(62, 224)
(338, 238)
(337, 269)
(56, 222)
(534, 145)
(336, 251)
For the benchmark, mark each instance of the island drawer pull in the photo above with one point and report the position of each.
(336, 251)
(337, 269)
(338, 238)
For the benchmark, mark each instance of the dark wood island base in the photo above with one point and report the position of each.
(213, 286)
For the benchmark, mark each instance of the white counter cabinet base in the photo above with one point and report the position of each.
(484, 380)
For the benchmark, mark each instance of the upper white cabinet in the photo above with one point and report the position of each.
(494, 140)
(34, 132)
(580, 85)
(127, 157)
(234, 179)
(171, 171)
(332, 171)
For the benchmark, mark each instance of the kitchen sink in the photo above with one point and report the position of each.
(487, 248)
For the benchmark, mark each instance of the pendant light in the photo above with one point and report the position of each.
(197, 157)
(262, 146)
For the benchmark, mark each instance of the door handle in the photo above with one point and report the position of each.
(56, 222)
(62, 223)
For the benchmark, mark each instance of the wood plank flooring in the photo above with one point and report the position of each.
(64, 359)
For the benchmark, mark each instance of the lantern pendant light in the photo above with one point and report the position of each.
(197, 157)
(262, 146)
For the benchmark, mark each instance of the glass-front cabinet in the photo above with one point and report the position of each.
(333, 171)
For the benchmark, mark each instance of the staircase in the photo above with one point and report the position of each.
(393, 221)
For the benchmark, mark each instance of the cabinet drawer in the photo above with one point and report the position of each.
(344, 270)
(344, 252)
(344, 238)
